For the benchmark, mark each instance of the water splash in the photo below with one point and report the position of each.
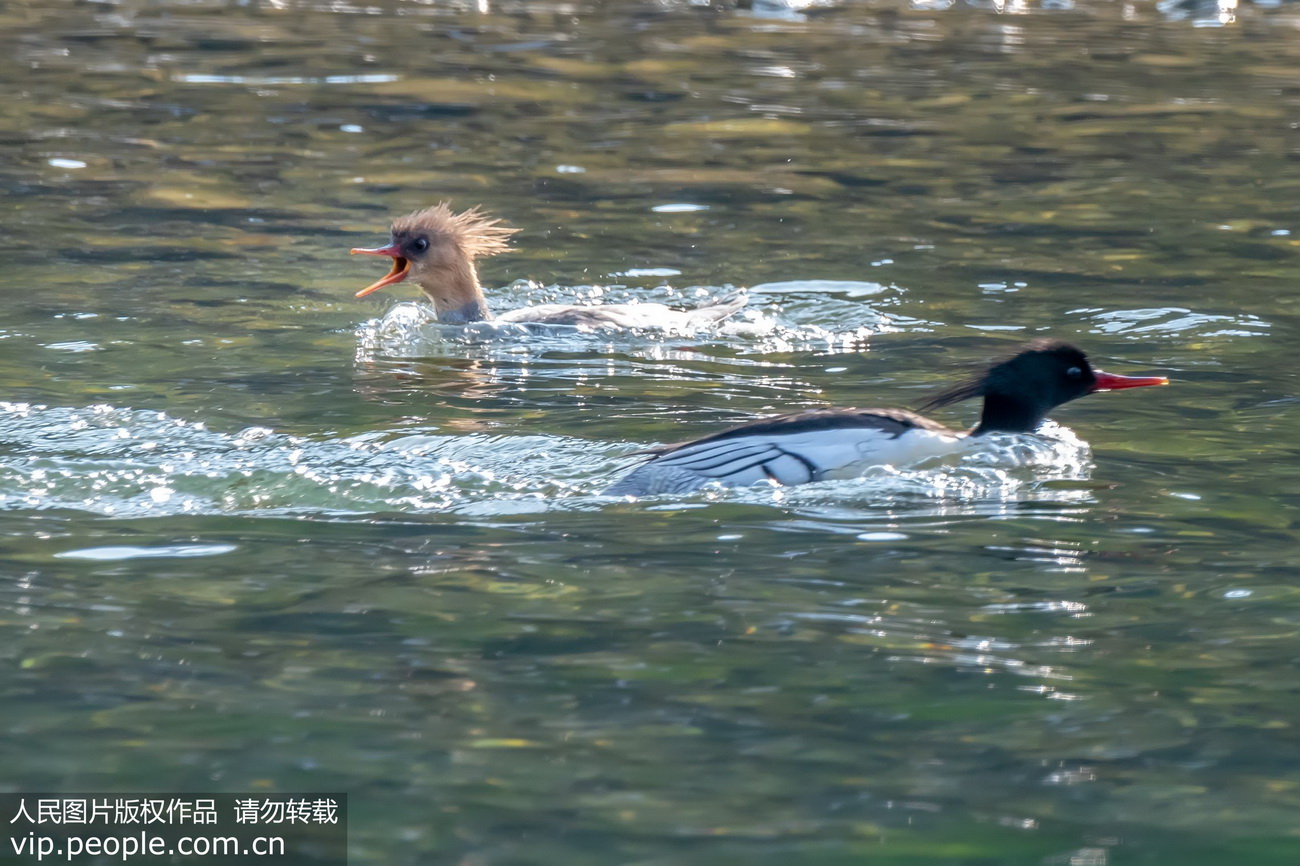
(125, 462)
(774, 321)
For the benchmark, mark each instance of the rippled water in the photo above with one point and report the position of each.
(260, 535)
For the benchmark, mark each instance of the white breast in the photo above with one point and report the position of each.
(791, 458)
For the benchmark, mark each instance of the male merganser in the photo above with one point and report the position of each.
(822, 444)
(437, 248)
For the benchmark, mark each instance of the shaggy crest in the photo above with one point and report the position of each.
(475, 232)
(968, 390)
(978, 386)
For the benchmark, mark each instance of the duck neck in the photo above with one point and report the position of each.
(1007, 415)
(458, 298)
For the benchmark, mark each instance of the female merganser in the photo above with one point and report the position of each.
(823, 444)
(437, 248)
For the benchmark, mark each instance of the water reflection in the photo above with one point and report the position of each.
(1057, 556)
(1201, 13)
(920, 638)
(1144, 323)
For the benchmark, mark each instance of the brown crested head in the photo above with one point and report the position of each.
(438, 247)
(472, 231)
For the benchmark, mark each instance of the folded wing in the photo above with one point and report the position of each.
(790, 449)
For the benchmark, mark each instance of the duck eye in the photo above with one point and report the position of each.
(1074, 373)
(420, 244)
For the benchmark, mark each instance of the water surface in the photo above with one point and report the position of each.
(259, 535)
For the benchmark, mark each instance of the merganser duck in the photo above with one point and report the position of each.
(437, 249)
(823, 444)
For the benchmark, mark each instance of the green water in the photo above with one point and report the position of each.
(261, 536)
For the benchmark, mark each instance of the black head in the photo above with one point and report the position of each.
(1020, 391)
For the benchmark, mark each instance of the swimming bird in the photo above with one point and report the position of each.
(437, 250)
(823, 444)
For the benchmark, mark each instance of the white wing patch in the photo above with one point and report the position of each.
(785, 459)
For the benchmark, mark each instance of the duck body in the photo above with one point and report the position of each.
(825, 444)
(817, 445)
(437, 249)
(627, 317)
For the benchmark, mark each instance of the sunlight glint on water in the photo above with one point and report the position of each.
(124, 462)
